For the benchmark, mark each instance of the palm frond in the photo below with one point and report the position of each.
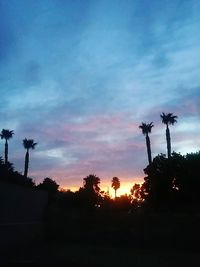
(29, 143)
(146, 127)
(6, 134)
(168, 118)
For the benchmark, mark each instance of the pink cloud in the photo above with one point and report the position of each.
(106, 158)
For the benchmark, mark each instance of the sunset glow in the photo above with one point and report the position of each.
(124, 188)
(100, 133)
(80, 76)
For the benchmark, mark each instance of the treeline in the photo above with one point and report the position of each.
(9, 175)
(90, 196)
(170, 184)
(173, 183)
(28, 144)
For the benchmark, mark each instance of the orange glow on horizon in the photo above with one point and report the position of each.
(71, 188)
(124, 188)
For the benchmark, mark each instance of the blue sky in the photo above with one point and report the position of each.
(80, 76)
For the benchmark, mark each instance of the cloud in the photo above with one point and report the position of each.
(79, 77)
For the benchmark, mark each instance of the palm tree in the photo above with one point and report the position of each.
(115, 184)
(6, 134)
(28, 144)
(168, 119)
(146, 129)
(91, 183)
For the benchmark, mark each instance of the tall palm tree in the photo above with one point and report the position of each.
(168, 119)
(146, 129)
(115, 184)
(6, 134)
(28, 144)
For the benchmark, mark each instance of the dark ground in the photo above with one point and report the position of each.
(86, 255)
(117, 239)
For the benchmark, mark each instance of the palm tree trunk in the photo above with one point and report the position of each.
(26, 164)
(6, 151)
(168, 142)
(148, 144)
(115, 193)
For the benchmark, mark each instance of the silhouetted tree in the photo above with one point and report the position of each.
(135, 192)
(122, 202)
(91, 183)
(187, 177)
(115, 184)
(9, 175)
(50, 186)
(6, 134)
(168, 119)
(106, 201)
(159, 181)
(28, 144)
(173, 183)
(5, 170)
(67, 199)
(144, 190)
(146, 129)
(137, 195)
(89, 194)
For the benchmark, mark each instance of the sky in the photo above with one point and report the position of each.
(79, 77)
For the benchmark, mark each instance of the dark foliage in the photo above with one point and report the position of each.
(91, 183)
(89, 195)
(9, 175)
(173, 182)
(50, 186)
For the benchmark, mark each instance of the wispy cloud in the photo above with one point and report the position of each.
(79, 77)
